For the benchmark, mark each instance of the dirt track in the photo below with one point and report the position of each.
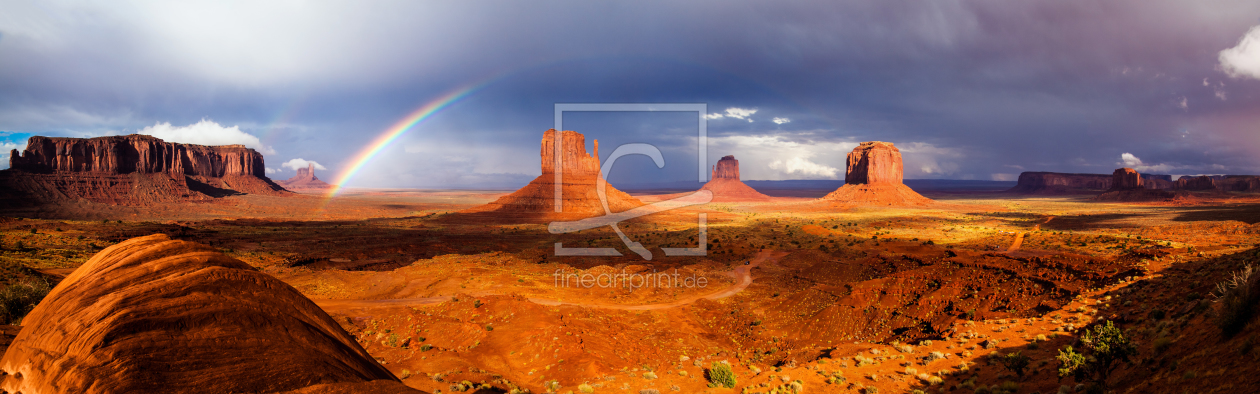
(1019, 237)
(742, 272)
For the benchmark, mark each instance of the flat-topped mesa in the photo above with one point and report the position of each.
(135, 153)
(573, 155)
(1035, 182)
(873, 177)
(874, 162)
(130, 170)
(1126, 179)
(726, 168)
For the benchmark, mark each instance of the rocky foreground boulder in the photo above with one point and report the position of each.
(153, 315)
(873, 176)
(131, 170)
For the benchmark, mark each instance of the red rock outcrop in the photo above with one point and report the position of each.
(873, 177)
(1126, 179)
(726, 168)
(726, 186)
(1060, 183)
(873, 162)
(132, 170)
(152, 314)
(305, 179)
(579, 173)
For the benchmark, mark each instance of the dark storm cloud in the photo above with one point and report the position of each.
(969, 89)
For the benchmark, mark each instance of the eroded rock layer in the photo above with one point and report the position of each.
(152, 314)
(132, 170)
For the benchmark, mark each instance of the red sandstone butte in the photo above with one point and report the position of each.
(726, 186)
(579, 173)
(132, 170)
(873, 177)
(305, 179)
(155, 315)
(1126, 179)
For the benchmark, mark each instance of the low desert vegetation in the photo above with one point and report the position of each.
(720, 375)
(18, 299)
(1236, 299)
(1101, 348)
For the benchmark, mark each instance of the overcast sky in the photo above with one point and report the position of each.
(966, 89)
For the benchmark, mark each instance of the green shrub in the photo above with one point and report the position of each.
(1015, 362)
(18, 299)
(720, 375)
(1237, 297)
(586, 388)
(1101, 348)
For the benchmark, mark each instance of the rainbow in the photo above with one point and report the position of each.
(397, 130)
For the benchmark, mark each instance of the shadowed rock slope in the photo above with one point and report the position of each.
(156, 315)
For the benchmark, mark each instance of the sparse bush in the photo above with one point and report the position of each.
(18, 299)
(649, 375)
(586, 388)
(1237, 297)
(720, 375)
(1015, 362)
(1102, 347)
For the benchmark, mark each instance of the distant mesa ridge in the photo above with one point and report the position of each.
(1036, 182)
(305, 179)
(873, 176)
(132, 170)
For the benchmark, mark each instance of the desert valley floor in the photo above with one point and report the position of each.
(798, 295)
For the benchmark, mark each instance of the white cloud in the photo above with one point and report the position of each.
(1005, 177)
(300, 163)
(1131, 161)
(271, 170)
(801, 165)
(781, 120)
(779, 157)
(1220, 94)
(206, 132)
(713, 116)
(740, 113)
(1243, 60)
(1183, 104)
